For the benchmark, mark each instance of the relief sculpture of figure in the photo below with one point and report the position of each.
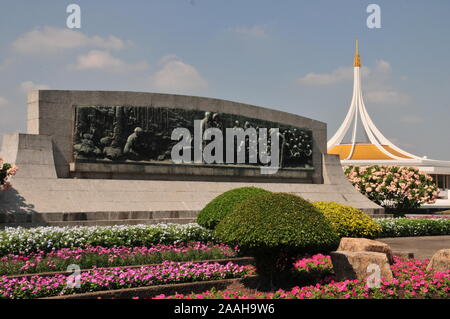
(132, 147)
(86, 148)
(282, 144)
(206, 122)
(113, 151)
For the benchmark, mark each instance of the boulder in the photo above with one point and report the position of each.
(440, 261)
(363, 244)
(350, 265)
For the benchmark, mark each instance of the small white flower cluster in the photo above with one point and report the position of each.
(411, 227)
(17, 240)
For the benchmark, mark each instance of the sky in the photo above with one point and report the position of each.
(289, 55)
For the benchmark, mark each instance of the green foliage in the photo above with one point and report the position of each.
(349, 221)
(410, 227)
(223, 204)
(275, 228)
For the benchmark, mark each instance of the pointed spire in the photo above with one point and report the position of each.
(380, 147)
(357, 60)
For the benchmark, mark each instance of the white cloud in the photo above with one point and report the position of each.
(53, 40)
(383, 66)
(3, 101)
(405, 146)
(382, 69)
(103, 60)
(256, 31)
(376, 86)
(387, 96)
(30, 86)
(411, 119)
(380, 91)
(341, 74)
(176, 75)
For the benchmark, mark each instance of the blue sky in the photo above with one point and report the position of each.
(291, 55)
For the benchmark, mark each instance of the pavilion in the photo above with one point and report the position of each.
(377, 149)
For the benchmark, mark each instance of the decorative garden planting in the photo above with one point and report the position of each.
(412, 280)
(119, 278)
(89, 257)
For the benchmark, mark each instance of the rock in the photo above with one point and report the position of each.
(440, 261)
(350, 265)
(363, 244)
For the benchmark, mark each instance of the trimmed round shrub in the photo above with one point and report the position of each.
(349, 221)
(223, 204)
(275, 228)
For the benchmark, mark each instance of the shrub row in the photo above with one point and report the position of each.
(25, 241)
(411, 227)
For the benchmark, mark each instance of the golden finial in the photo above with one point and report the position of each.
(357, 60)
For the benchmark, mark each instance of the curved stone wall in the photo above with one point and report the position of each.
(52, 113)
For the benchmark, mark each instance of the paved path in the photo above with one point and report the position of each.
(422, 247)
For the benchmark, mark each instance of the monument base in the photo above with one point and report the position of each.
(40, 198)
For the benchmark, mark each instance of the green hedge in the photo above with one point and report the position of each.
(275, 228)
(225, 203)
(411, 227)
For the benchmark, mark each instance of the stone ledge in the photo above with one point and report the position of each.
(152, 291)
(171, 171)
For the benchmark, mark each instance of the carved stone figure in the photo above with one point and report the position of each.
(103, 133)
(87, 148)
(134, 143)
(113, 152)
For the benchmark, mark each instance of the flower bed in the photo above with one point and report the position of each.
(411, 280)
(22, 240)
(26, 241)
(427, 216)
(88, 257)
(118, 278)
(409, 227)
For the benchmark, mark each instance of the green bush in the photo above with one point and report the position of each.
(410, 227)
(223, 204)
(275, 228)
(349, 221)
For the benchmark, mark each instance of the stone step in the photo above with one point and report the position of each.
(124, 222)
(51, 218)
(105, 222)
(381, 215)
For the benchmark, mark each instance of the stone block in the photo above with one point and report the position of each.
(349, 265)
(440, 261)
(364, 244)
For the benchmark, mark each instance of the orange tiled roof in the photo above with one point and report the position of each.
(365, 152)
